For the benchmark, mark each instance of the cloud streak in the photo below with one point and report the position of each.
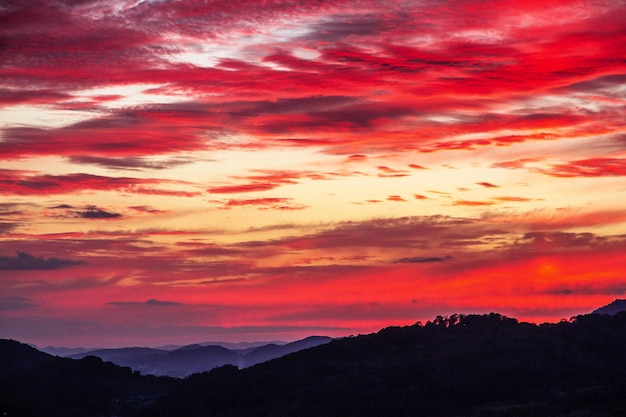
(151, 302)
(14, 182)
(26, 261)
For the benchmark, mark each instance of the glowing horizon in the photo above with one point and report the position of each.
(181, 171)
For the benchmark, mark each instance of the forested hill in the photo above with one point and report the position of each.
(35, 384)
(463, 365)
(486, 365)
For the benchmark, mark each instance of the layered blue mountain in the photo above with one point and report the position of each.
(196, 358)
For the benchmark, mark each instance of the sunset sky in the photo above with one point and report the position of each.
(187, 171)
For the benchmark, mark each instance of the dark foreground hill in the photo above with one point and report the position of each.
(471, 366)
(34, 384)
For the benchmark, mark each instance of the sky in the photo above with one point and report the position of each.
(178, 171)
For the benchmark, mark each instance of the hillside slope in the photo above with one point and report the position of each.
(35, 384)
(472, 365)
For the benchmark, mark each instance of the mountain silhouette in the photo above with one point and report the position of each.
(612, 308)
(36, 384)
(474, 365)
(62, 351)
(462, 365)
(195, 358)
(272, 351)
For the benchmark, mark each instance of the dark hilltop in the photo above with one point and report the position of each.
(458, 366)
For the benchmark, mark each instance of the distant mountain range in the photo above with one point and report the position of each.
(239, 346)
(463, 365)
(190, 359)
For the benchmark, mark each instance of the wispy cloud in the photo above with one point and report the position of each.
(13, 182)
(93, 212)
(593, 167)
(26, 261)
(422, 259)
(151, 302)
(16, 302)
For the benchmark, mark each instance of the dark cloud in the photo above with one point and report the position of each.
(147, 209)
(26, 261)
(405, 232)
(606, 84)
(338, 27)
(15, 302)
(93, 212)
(421, 259)
(560, 291)
(14, 182)
(17, 96)
(487, 184)
(562, 240)
(150, 302)
(270, 203)
(88, 212)
(153, 302)
(128, 163)
(613, 289)
(155, 131)
(7, 227)
(62, 206)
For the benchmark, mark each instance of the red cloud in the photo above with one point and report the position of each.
(129, 135)
(592, 167)
(472, 203)
(414, 81)
(513, 199)
(356, 157)
(516, 164)
(386, 172)
(22, 183)
(264, 180)
(272, 203)
(243, 188)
